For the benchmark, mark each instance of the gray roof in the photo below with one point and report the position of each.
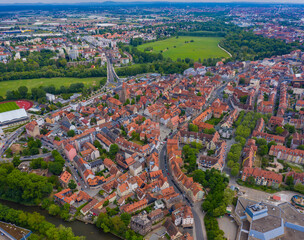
(13, 115)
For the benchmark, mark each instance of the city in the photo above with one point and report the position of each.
(151, 120)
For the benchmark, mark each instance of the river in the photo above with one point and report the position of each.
(90, 231)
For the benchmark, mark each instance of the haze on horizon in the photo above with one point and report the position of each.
(192, 1)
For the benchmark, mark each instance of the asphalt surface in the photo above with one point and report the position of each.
(198, 215)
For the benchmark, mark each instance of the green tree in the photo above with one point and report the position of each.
(54, 209)
(251, 180)
(113, 151)
(279, 130)
(71, 133)
(300, 147)
(299, 187)
(193, 128)
(23, 91)
(16, 161)
(235, 171)
(289, 180)
(55, 168)
(72, 185)
(209, 131)
(263, 150)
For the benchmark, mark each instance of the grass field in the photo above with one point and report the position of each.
(57, 82)
(8, 106)
(202, 47)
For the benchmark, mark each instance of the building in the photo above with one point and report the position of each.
(65, 178)
(262, 177)
(13, 117)
(288, 154)
(141, 224)
(50, 97)
(297, 177)
(269, 137)
(172, 230)
(259, 220)
(10, 231)
(156, 215)
(299, 105)
(130, 208)
(70, 151)
(32, 129)
(183, 216)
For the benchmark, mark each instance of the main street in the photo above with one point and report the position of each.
(199, 231)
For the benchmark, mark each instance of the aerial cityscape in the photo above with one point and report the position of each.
(151, 120)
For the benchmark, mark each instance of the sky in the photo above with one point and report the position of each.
(75, 1)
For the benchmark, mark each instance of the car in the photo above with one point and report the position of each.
(78, 184)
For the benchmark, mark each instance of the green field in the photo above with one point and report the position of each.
(57, 82)
(202, 47)
(8, 106)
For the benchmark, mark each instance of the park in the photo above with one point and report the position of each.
(187, 47)
(57, 82)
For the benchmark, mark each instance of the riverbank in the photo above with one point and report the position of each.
(90, 231)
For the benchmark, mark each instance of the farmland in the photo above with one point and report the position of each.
(8, 106)
(182, 47)
(57, 82)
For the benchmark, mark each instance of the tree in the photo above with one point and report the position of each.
(113, 151)
(55, 168)
(16, 161)
(199, 94)
(193, 128)
(291, 129)
(300, 147)
(242, 81)
(71, 133)
(299, 187)
(271, 144)
(279, 130)
(23, 91)
(289, 180)
(72, 185)
(263, 150)
(251, 180)
(243, 99)
(235, 171)
(209, 131)
(125, 217)
(54, 209)
(230, 163)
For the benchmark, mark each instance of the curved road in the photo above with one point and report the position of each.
(199, 231)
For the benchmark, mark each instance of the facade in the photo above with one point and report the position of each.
(262, 177)
(13, 117)
(32, 129)
(288, 154)
(141, 224)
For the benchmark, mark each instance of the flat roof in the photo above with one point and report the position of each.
(12, 115)
(12, 230)
(266, 224)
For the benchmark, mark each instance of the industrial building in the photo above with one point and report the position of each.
(259, 220)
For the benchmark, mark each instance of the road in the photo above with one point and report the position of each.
(199, 231)
(10, 140)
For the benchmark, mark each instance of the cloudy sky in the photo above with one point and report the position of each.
(75, 1)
